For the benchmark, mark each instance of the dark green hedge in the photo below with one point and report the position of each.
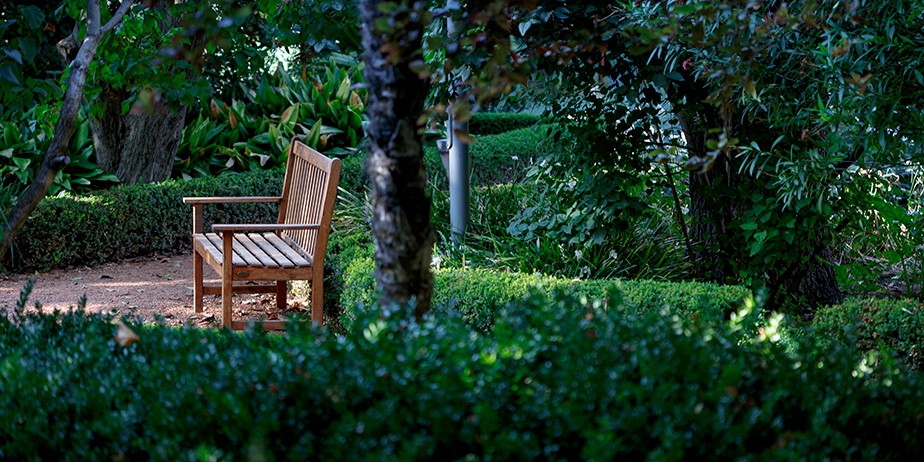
(133, 220)
(554, 380)
(492, 123)
(872, 323)
(496, 159)
(480, 294)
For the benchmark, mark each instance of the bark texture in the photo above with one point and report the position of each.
(720, 195)
(56, 158)
(401, 208)
(139, 146)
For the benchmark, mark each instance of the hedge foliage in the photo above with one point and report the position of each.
(492, 123)
(874, 323)
(133, 220)
(497, 158)
(556, 379)
(479, 294)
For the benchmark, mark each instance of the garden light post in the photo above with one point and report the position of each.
(459, 171)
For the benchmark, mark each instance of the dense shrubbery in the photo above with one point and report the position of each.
(555, 379)
(319, 105)
(875, 323)
(24, 140)
(492, 123)
(480, 294)
(134, 220)
(499, 158)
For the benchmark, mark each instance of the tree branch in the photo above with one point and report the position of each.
(57, 157)
(117, 17)
(92, 18)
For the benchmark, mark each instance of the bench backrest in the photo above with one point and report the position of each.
(308, 194)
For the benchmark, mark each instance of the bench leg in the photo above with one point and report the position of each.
(317, 299)
(197, 282)
(227, 277)
(282, 290)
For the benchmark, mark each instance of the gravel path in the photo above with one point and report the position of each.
(148, 287)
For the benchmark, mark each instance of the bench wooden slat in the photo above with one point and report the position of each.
(212, 244)
(241, 249)
(266, 260)
(286, 250)
(272, 251)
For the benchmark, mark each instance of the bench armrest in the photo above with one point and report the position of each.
(262, 227)
(229, 200)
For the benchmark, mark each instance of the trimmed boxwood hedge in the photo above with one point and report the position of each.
(132, 220)
(479, 294)
(555, 379)
(496, 159)
(873, 323)
(492, 123)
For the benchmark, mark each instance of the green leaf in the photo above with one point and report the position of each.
(22, 163)
(14, 55)
(32, 16)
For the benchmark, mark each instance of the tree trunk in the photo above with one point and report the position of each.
(56, 157)
(401, 209)
(139, 146)
(721, 195)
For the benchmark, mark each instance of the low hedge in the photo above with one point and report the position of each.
(496, 159)
(874, 323)
(555, 380)
(480, 294)
(492, 123)
(133, 220)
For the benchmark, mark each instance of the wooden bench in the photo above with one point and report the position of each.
(293, 248)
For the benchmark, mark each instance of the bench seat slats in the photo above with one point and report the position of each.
(286, 250)
(255, 251)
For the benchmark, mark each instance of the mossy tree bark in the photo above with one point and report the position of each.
(401, 208)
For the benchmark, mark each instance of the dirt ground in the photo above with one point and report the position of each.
(147, 287)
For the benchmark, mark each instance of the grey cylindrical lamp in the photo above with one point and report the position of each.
(459, 169)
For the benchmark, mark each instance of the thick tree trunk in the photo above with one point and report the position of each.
(139, 146)
(56, 157)
(401, 208)
(721, 195)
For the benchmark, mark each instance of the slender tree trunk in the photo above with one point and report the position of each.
(401, 209)
(57, 157)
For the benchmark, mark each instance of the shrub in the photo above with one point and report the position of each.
(556, 379)
(492, 123)
(496, 159)
(873, 323)
(479, 294)
(133, 220)
(254, 134)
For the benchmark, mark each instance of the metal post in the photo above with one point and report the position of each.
(459, 169)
